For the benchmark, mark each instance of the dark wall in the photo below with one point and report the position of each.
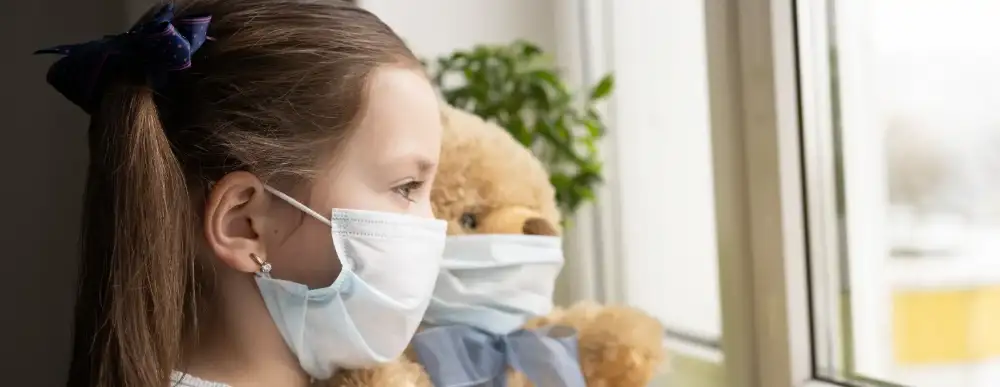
(43, 158)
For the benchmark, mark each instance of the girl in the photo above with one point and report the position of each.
(222, 134)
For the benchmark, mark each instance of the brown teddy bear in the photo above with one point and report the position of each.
(489, 184)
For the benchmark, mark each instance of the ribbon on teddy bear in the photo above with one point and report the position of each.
(464, 356)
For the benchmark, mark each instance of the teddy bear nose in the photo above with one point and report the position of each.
(538, 226)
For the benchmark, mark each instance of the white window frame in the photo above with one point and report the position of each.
(753, 69)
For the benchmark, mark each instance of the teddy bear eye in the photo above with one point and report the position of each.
(468, 221)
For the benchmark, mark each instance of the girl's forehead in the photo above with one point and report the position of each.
(401, 119)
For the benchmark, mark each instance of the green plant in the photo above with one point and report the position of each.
(518, 87)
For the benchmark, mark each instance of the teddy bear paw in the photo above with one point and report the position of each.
(398, 373)
(619, 346)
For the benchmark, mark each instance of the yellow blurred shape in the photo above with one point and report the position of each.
(946, 326)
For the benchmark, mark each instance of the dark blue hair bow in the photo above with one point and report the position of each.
(151, 48)
(462, 356)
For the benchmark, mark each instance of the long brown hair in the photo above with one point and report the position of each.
(279, 85)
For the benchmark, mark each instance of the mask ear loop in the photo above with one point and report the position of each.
(346, 263)
(296, 204)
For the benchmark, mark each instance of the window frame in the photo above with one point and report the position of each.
(759, 190)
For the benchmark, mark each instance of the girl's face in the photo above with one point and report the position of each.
(388, 165)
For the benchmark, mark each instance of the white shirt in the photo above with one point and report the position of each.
(180, 379)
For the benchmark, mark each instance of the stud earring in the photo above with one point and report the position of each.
(265, 267)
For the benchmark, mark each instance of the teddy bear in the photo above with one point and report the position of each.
(488, 183)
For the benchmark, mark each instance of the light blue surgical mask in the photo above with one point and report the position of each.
(371, 311)
(495, 282)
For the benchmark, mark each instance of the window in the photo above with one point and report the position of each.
(901, 126)
(664, 170)
(653, 229)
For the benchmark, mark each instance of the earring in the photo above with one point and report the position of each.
(265, 267)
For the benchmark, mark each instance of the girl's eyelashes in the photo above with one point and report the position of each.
(407, 189)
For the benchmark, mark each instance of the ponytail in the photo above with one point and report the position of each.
(136, 275)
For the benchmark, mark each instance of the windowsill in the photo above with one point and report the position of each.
(683, 348)
(691, 372)
(817, 383)
(691, 365)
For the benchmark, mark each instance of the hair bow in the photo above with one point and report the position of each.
(463, 356)
(151, 48)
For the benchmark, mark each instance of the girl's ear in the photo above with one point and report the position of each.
(235, 217)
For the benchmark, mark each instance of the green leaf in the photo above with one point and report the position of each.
(520, 132)
(594, 128)
(592, 114)
(540, 96)
(603, 88)
(546, 76)
(526, 48)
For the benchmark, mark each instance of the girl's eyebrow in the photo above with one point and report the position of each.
(423, 164)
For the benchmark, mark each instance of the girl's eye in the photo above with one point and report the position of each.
(406, 190)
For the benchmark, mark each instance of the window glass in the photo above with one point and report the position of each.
(901, 132)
